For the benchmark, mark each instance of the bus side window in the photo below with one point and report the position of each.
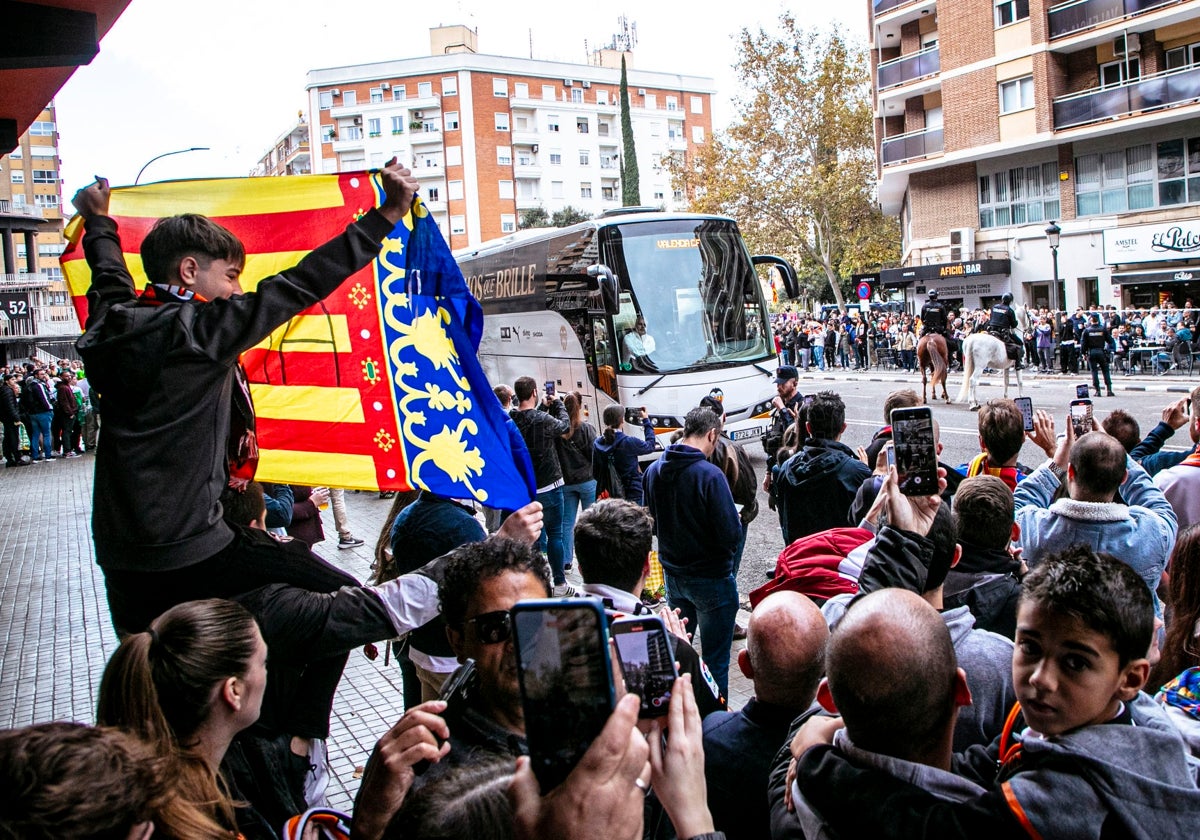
(605, 355)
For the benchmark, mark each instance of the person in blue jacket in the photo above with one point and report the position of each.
(624, 451)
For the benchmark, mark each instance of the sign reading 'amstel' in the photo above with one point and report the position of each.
(1153, 243)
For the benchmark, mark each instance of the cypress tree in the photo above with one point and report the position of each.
(631, 191)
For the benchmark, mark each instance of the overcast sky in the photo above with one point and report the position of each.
(230, 74)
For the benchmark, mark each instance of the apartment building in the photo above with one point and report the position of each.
(491, 137)
(290, 154)
(997, 118)
(34, 308)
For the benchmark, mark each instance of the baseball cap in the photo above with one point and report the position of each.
(785, 373)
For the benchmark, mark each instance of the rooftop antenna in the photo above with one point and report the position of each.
(531, 43)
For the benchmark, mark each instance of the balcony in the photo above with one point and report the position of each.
(8, 208)
(910, 146)
(527, 170)
(18, 282)
(1079, 15)
(426, 171)
(424, 137)
(908, 68)
(901, 11)
(1149, 93)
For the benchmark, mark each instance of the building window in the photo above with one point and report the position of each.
(433, 193)
(556, 189)
(458, 224)
(454, 155)
(697, 104)
(1019, 196)
(502, 121)
(603, 129)
(1114, 182)
(585, 190)
(450, 86)
(697, 134)
(1177, 58)
(424, 90)
(581, 125)
(659, 195)
(508, 223)
(677, 195)
(556, 158)
(399, 93)
(352, 132)
(328, 133)
(325, 100)
(1117, 73)
(549, 93)
(1016, 95)
(650, 102)
(376, 94)
(577, 95)
(42, 128)
(46, 200)
(349, 97)
(601, 97)
(455, 190)
(506, 189)
(451, 119)
(585, 157)
(504, 155)
(373, 127)
(521, 90)
(552, 122)
(672, 103)
(656, 129)
(18, 176)
(1011, 11)
(398, 125)
(500, 87)
(608, 193)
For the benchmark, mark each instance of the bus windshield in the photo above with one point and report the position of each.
(690, 296)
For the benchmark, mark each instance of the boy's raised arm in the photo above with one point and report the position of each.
(111, 280)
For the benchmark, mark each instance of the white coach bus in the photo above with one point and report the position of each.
(567, 305)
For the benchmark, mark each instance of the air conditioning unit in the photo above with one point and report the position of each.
(641, 91)
(586, 84)
(1127, 44)
(418, 115)
(568, 83)
(336, 91)
(358, 120)
(962, 244)
(385, 86)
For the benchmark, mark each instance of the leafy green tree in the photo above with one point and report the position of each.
(534, 217)
(631, 190)
(568, 216)
(796, 168)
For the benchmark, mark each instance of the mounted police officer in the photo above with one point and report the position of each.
(1001, 324)
(934, 320)
(1095, 340)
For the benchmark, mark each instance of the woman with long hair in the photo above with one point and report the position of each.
(623, 450)
(1181, 648)
(575, 456)
(187, 686)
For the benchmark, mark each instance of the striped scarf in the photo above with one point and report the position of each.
(1183, 692)
(981, 466)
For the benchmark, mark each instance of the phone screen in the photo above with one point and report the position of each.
(1081, 392)
(1025, 404)
(916, 451)
(550, 388)
(647, 661)
(566, 681)
(1081, 417)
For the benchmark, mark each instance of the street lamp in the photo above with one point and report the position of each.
(167, 154)
(1053, 235)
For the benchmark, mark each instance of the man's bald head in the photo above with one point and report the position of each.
(785, 649)
(1097, 466)
(892, 673)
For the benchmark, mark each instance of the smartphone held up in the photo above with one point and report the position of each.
(915, 451)
(1081, 417)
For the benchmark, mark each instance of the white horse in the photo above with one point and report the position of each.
(981, 350)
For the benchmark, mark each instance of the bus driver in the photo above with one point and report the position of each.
(639, 345)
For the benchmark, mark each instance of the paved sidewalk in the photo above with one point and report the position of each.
(55, 634)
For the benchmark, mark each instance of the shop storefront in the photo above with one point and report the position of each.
(960, 285)
(1154, 264)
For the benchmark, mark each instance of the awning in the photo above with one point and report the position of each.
(1168, 275)
(894, 278)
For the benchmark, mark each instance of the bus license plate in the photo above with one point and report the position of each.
(745, 434)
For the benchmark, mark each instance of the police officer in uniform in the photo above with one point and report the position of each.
(1001, 324)
(785, 407)
(933, 316)
(1095, 341)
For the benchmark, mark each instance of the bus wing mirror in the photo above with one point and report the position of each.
(790, 284)
(608, 287)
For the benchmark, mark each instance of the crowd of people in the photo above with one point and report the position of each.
(1147, 339)
(46, 412)
(1013, 655)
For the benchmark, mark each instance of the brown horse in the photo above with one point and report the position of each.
(932, 356)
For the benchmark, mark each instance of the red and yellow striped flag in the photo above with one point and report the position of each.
(325, 384)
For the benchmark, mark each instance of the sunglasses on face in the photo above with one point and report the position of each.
(492, 628)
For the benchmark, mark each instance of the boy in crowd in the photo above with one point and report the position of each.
(1094, 757)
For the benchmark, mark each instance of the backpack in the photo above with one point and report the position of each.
(608, 479)
(812, 566)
